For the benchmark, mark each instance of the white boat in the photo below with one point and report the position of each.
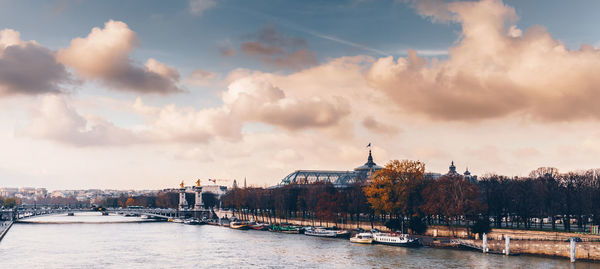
(394, 239)
(177, 220)
(239, 225)
(194, 222)
(362, 238)
(342, 233)
(319, 232)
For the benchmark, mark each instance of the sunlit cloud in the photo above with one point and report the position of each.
(104, 55)
(197, 7)
(494, 71)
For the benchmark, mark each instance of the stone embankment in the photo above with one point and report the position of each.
(583, 251)
(541, 243)
(4, 227)
(500, 234)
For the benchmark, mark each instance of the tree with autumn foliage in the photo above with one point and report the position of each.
(452, 197)
(396, 190)
(130, 202)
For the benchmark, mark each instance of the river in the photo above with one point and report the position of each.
(83, 241)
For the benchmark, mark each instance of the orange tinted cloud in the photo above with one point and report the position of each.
(104, 55)
(494, 71)
(277, 49)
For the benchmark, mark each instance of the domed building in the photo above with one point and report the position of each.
(467, 175)
(369, 167)
(340, 179)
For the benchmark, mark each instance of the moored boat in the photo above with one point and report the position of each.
(320, 232)
(194, 222)
(239, 225)
(259, 226)
(326, 232)
(177, 220)
(342, 234)
(288, 229)
(395, 239)
(362, 238)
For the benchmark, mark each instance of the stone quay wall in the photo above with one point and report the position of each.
(583, 250)
(500, 234)
(4, 227)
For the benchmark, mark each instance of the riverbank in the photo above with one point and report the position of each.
(4, 227)
(175, 245)
(522, 242)
(588, 251)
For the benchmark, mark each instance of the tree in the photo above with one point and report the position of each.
(452, 196)
(396, 189)
(209, 199)
(167, 200)
(544, 172)
(130, 201)
(10, 202)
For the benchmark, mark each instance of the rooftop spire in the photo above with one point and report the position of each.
(452, 168)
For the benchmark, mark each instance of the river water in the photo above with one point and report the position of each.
(83, 241)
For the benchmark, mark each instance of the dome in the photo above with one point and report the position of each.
(369, 165)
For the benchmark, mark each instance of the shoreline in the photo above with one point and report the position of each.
(5, 228)
(85, 222)
(534, 248)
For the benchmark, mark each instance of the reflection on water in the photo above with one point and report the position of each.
(168, 245)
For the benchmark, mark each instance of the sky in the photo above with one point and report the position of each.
(145, 94)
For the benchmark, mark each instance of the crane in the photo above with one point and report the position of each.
(215, 180)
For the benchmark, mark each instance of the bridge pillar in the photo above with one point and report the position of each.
(182, 202)
(198, 199)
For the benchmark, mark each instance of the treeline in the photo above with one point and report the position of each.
(315, 202)
(160, 200)
(9, 202)
(402, 198)
(572, 197)
(69, 201)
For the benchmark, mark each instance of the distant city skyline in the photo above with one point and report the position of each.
(144, 94)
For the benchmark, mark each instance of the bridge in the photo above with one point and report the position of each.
(161, 213)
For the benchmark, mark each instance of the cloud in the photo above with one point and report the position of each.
(226, 49)
(374, 125)
(197, 7)
(104, 55)
(55, 120)
(256, 99)
(437, 10)
(201, 77)
(526, 152)
(189, 125)
(28, 68)
(496, 70)
(279, 50)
